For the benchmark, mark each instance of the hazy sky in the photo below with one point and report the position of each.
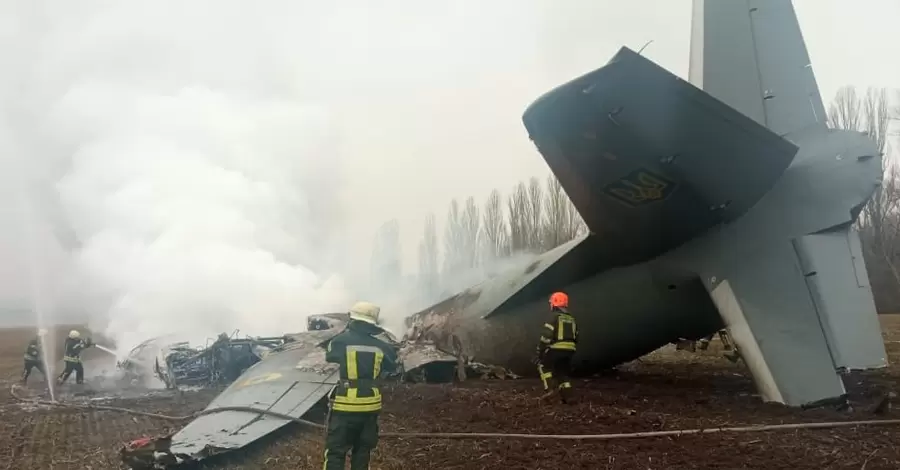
(414, 103)
(466, 137)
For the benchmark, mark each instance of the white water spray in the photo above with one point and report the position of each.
(105, 349)
(37, 292)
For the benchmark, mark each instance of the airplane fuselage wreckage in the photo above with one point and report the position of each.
(723, 202)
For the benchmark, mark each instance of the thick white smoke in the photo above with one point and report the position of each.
(198, 181)
(223, 164)
(197, 209)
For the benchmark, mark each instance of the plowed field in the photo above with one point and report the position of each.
(666, 390)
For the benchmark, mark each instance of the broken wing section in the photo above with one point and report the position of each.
(289, 382)
(649, 160)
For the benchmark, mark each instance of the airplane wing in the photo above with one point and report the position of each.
(289, 381)
(649, 160)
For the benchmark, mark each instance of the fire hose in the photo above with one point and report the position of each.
(477, 435)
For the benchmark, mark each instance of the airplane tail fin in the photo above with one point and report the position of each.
(751, 55)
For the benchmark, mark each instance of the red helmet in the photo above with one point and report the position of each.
(559, 300)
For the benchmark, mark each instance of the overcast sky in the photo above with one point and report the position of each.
(424, 98)
(467, 138)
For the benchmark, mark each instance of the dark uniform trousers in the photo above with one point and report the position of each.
(555, 367)
(32, 364)
(72, 359)
(73, 366)
(356, 433)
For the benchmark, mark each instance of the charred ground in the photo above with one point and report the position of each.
(666, 390)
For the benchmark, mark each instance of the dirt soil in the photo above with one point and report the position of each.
(666, 390)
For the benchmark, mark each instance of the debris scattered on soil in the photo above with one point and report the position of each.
(666, 390)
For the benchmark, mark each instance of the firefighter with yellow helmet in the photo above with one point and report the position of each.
(72, 348)
(557, 347)
(356, 405)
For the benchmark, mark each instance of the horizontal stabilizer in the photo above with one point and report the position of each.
(649, 160)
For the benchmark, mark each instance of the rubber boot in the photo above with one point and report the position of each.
(565, 393)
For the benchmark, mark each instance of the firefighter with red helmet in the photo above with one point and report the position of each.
(557, 347)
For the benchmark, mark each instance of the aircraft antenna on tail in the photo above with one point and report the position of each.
(644, 46)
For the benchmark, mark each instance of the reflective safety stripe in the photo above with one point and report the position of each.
(358, 400)
(545, 340)
(357, 408)
(352, 371)
(357, 404)
(545, 376)
(565, 385)
(563, 320)
(379, 356)
(563, 345)
(71, 359)
(548, 326)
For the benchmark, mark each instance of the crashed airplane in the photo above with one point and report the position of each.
(728, 202)
(723, 202)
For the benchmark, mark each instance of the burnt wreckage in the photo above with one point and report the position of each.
(722, 201)
(289, 375)
(178, 364)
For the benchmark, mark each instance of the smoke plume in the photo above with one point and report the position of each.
(198, 183)
(218, 165)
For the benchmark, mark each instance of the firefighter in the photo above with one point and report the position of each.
(356, 403)
(557, 347)
(73, 347)
(34, 357)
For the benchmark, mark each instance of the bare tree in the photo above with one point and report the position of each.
(429, 280)
(561, 221)
(386, 267)
(471, 227)
(844, 111)
(535, 216)
(495, 233)
(518, 219)
(454, 242)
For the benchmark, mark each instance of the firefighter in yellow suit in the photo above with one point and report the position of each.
(557, 347)
(353, 422)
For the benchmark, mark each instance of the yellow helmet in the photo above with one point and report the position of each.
(74, 334)
(365, 311)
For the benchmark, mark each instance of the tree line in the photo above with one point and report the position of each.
(477, 238)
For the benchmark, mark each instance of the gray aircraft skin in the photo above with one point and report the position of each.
(726, 201)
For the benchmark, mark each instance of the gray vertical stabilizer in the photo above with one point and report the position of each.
(750, 54)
